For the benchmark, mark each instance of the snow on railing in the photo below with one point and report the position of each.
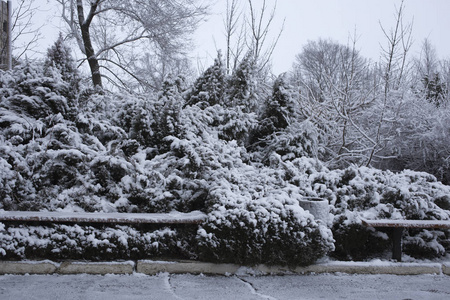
(407, 223)
(194, 217)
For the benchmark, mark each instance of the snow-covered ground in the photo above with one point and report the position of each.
(186, 286)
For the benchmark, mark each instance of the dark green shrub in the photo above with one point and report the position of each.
(423, 243)
(357, 242)
(376, 194)
(95, 242)
(267, 231)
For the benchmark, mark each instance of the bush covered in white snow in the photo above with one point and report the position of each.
(93, 242)
(188, 149)
(134, 154)
(356, 193)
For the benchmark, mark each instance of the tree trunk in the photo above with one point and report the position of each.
(89, 49)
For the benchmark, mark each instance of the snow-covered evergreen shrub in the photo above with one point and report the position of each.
(254, 217)
(361, 192)
(280, 128)
(87, 169)
(167, 113)
(135, 153)
(50, 154)
(149, 120)
(373, 194)
(230, 101)
(31, 108)
(279, 109)
(243, 85)
(25, 90)
(60, 60)
(297, 140)
(234, 124)
(94, 243)
(136, 115)
(426, 243)
(209, 88)
(203, 171)
(263, 233)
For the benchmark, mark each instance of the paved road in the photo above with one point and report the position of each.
(169, 286)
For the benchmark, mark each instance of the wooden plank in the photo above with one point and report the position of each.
(195, 217)
(406, 223)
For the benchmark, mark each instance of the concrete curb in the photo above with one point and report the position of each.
(371, 268)
(28, 267)
(150, 267)
(446, 268)
(153, 267)
(98, 268)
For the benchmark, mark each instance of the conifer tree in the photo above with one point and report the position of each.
(278, 110)
(209, 88)
(170, 103)
(434, 89)
(242, 89)
(60, 58)
(155, 120)
(281, 106)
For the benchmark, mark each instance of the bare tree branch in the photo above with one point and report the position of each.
(23, 29)
(112, 26)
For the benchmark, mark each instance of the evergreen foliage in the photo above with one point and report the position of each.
(279, 110)
(278, 113)
(77, 150)
(172, 101)
(209, 88)
(281, 107)
(242, 86)
(435, 89)
(92, 242)
(281, 129)
(59, 57)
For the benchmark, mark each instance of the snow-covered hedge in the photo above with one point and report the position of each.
(134, 154)
(255, 217)
(270, 230)
(87, 151)
(93, 243)
(361, 192)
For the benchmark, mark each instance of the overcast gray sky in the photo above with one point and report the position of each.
(338, 19)
(312, 19)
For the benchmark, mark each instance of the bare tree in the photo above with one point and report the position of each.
(359, 104)
(112, 33)
(231, 22)
(336, 89)
(152, 70)
(427, 64)
(248, 29)
(419, 138)
(324, 64)
(260, 24)
(394, 69)
(25, 35)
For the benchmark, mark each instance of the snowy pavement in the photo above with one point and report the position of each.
(187, 286)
